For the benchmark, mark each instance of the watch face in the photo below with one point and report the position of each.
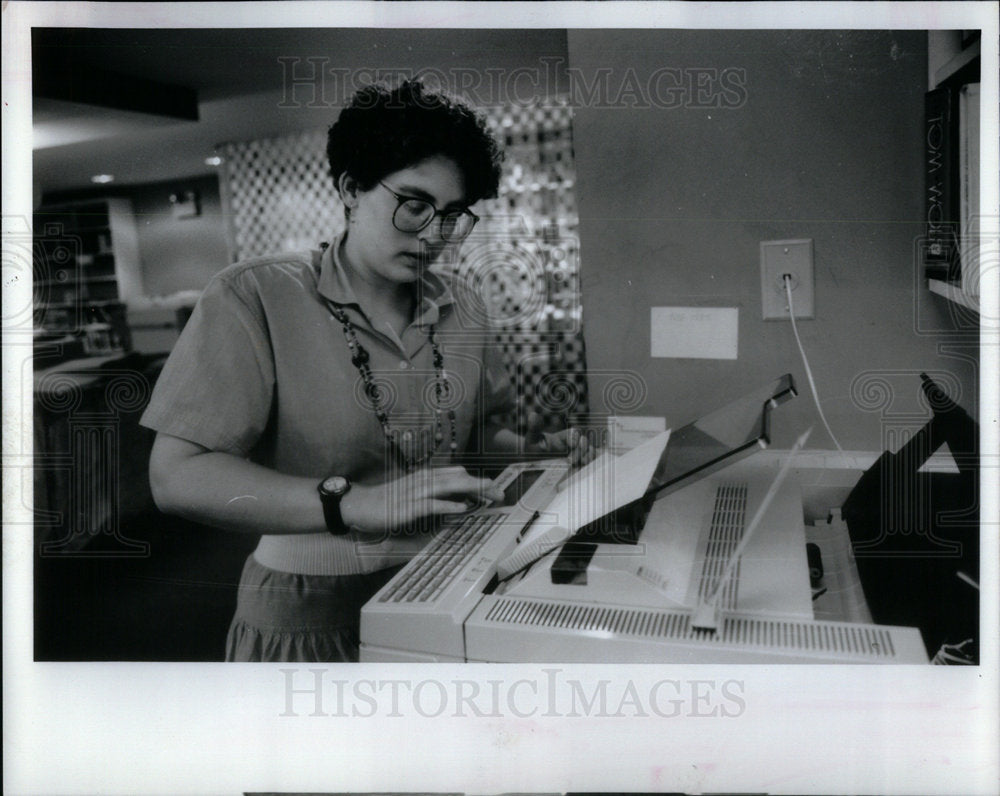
(335, 485)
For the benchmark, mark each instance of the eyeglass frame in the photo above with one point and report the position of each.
(403, 198)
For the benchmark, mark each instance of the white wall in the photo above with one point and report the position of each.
(825, 144)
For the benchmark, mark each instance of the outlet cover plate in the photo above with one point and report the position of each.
(779, 257)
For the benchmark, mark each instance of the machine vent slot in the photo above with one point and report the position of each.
(861, 641)
(724, 534)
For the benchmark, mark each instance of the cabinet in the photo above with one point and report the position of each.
(86, 270)
(952, 144)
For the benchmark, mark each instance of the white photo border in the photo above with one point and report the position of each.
(207, 728)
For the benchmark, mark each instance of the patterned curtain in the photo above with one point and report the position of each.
(522, 259)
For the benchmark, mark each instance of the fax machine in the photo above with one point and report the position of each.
(546, 577)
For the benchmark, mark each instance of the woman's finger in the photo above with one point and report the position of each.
(578, 448)
(433, 479)
(446, 507)
(461, 484)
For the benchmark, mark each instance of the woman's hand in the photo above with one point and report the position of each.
(573, 443)
(426, 492)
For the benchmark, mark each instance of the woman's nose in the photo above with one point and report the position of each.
(431, 234)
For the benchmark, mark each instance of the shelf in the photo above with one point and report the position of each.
(954, 67)
(951, 68)
(953, 293)
(103, 271)
(82, 303)
(67, 283)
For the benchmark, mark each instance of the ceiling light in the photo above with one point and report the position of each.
(215, 160)
(101, 179)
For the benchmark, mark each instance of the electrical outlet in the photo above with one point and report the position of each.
(792, 257)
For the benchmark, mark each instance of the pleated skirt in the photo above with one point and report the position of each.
(282, 616)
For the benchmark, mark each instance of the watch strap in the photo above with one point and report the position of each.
(331, 510)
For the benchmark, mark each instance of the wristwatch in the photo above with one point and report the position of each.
(331, 490)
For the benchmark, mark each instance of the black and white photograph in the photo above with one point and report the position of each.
(574, 396)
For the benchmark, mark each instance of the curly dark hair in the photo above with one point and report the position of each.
(385, 129)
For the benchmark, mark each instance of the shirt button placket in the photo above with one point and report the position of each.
(411, 387)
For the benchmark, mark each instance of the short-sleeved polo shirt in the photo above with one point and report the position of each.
(262, 370)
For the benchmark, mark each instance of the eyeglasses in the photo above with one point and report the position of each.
(413, 215)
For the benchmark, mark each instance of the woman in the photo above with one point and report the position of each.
(310, 394)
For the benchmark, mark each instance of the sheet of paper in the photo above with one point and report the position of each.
(602, 486)
(628, 431)
(694, 332)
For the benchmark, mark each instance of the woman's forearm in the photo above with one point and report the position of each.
(225, 491)
(499, 439)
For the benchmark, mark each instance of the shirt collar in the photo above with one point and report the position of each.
(433, 293)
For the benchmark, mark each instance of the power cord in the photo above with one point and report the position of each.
(787, 279)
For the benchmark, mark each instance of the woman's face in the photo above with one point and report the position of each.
(376, 246)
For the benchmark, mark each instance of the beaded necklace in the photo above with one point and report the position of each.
(400, 441)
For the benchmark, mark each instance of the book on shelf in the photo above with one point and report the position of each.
(941, 183)
(951, 162)
(968, 169)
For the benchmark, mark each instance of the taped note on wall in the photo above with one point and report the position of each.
(694, 332)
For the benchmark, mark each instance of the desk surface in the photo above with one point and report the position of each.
(79, 373)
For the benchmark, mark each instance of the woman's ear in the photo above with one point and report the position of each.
(348, 189)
